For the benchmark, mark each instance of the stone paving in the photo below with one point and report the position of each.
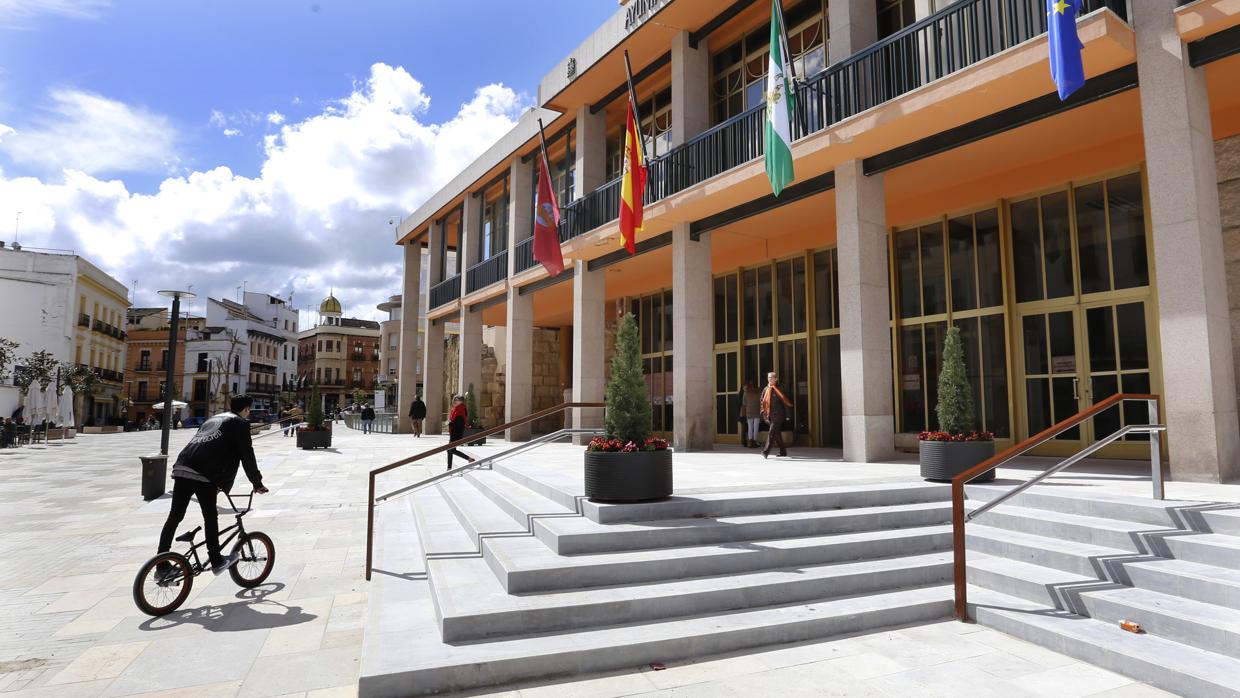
(76, 530)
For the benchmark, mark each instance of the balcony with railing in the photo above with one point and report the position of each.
(445, 292)
(83, 320)
(489, 271)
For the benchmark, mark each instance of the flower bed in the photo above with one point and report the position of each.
(602, 444)
(957, 436)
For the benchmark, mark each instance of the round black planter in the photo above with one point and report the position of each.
(470, 431)
(314, 439)
(943, 460)
(641, 476)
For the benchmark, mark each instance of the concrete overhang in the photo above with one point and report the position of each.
(484, 167)
(1004, 80)
(1205, 17)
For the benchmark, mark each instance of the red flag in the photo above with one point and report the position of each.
(547, 222)
(633, 188)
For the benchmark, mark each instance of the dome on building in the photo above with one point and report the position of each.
(330, 306)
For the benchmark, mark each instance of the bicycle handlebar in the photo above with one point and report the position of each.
(249, 501)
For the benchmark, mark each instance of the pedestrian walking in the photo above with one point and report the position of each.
(774, 411)
(751, 414)
(457, 419)
(368, 419)
(417, 413)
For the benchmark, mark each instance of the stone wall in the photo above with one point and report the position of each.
(548, 392)
(1227, 160)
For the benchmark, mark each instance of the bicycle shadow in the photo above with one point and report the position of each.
(254, 612)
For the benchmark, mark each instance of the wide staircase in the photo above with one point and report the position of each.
(498, 575)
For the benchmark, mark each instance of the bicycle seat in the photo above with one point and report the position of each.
(189, 537)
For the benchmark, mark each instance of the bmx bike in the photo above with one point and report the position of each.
(158, 591)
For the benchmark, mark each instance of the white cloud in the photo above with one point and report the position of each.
(231, 132)
(315, 216)
(275, 118)
(17, 13)
(90, 133)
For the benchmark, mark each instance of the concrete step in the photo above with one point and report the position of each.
(1030, 582)
(472, 605)
(1144, 510)
(717, 504)
(1202, 625)
(439, 528)
(572, 536)
(1161, 662)
(1064, 555)
(1216, 549)
(403, 665)
(1189, 580)
(526, 565)
(516, 500)
(1221, 518)
(1110, 533)
(479, 516)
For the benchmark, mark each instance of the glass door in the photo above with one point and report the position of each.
(1052, 386)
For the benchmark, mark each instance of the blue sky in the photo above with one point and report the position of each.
(229, 141)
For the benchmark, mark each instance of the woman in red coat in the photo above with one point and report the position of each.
(457, 419)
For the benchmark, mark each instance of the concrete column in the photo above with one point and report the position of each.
(589, 344)
(470, 347)
(410, 301)
(1199, 402)
(865, 335)
(591, 148)
(519, 358)
(435, 241)
(470, 244)
(693, 393)
(853, 26)
(520, 205)
(432, 368)
(690, 88)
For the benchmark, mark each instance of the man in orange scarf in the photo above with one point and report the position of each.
(774, 411)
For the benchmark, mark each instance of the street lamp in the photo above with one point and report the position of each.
(176, 297)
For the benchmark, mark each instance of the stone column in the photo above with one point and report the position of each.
(470, 344)
(591, 147)
(411, 300)
(589, 344)
(854, 25)
(519, 349)
(690, 88)
(432, 341)
(1199, 401)
(693, 394)
(865, 334)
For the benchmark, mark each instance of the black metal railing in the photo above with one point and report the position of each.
(445, 291)
(83, 320)
(489, 271)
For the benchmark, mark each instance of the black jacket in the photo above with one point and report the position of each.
(368, 413)
(220, 445)
(417, 410)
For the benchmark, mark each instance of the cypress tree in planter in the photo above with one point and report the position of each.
(473, 420)
(314, 433)
(627, 465)
(955, 447)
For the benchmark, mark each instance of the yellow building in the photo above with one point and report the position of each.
(99, 342)
(1080, 246)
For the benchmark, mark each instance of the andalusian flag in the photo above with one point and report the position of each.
(633, 187)
(779, 104)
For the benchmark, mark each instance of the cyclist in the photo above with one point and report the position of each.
(208, 465)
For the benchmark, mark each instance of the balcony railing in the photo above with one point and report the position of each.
(83, 320)
(487, 272)
(947, 41)
(445, 291)
(525, 255)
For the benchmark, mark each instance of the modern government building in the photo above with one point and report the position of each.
(1083, 248)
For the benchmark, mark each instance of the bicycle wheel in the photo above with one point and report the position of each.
(258, 556)
(159, 594)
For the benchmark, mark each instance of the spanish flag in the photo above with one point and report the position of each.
(633, 188)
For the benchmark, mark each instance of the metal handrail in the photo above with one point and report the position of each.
(958, 482)
(371, 501)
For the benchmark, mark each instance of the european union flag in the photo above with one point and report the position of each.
(1066, 68)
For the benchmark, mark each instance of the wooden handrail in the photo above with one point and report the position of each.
(370, 503)
(958, 483)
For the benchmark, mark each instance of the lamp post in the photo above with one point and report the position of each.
(176, 297)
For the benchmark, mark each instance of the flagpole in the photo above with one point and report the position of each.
(783, 38)
(628, 75)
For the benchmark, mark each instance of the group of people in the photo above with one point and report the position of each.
(770, 406)
(290, 417)
(8, 431)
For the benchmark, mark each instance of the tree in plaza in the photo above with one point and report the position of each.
(628, 407)
(40, 367)
(82, 381)
(471, 407)
(955, 408)
(222, 370)
(8, 354)
(359, 395)
(314, 417)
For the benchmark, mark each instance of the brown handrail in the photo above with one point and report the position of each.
(958, 483)
(370, 504)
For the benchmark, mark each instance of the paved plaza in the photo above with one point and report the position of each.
(76, 531)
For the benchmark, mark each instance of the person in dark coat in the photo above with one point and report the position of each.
(207, 465)
(417, 413)
(774, 411)
(368, 419)
(457, 419)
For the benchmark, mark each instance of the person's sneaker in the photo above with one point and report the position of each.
(164, 572)
(222, 566)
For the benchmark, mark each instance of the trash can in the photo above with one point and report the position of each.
(154, 476)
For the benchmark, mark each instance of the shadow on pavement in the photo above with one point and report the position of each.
(253, 612)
